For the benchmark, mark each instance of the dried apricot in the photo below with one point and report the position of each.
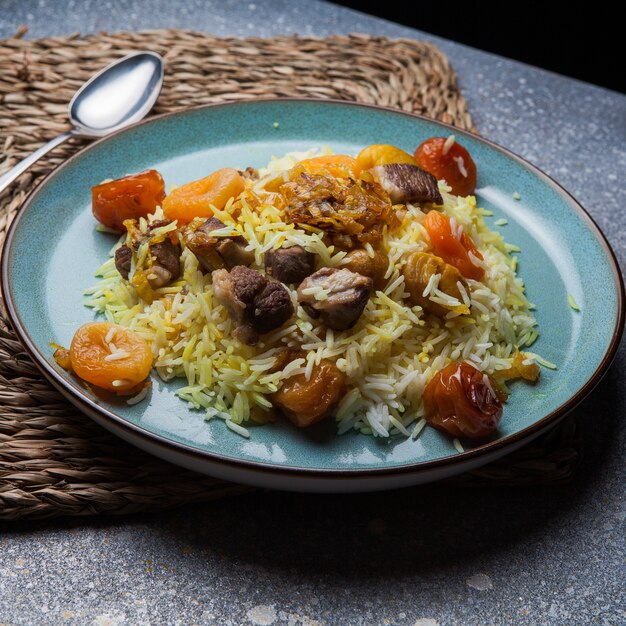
(305, 402)
(110, 356)
(130, 197)
(418, 270)
(195, 199)
(339, 165)
(382, 154)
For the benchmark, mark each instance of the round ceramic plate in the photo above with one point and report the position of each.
(53, 250)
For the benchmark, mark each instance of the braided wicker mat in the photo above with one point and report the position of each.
(55, 461)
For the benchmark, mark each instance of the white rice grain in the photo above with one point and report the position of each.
(117, 356)
(136, 399)
(110, 334)
(448, 144)
(236, 428)
(433, 283)
(418, 428)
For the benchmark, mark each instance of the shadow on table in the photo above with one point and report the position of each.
(372, 535)
(406, 531)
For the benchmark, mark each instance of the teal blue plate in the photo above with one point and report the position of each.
(53, 250)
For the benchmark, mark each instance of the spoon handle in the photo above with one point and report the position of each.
(24, 164)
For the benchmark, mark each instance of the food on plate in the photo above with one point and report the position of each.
(462, 401)
(448, 160)
(407, 183)
(305, 401)
(382, 154)
(435, 285)
(130, 197)
(336, 165)
(351, 212)
(522, 366)
(336, 296)
(109, 356)
(215, 245)
(200, 197)
(257, 305)
(374, 265)
(155, 252)
(454, 245)
(289, 265)
(322, 285)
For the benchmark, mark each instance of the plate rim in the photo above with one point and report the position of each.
(73, 393)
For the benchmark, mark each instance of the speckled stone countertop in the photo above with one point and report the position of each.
(422, 557)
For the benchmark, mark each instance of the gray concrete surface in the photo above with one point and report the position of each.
(420, 557)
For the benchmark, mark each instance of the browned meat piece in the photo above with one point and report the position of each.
(405, 182)
(233, 251)
(289, 265)
(123, 258)
(165, 263)
(418, 269)
(361, 262)
(346, 294)
(216, 252)
(226, 292)
(159, 268)
(247, 283)
(250, 173)
(158, 224)
(246, 334)
(272, 307)
(255, 304)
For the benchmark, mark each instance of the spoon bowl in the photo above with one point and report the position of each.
(120, 94)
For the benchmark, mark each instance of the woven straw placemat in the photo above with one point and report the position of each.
(54, 460)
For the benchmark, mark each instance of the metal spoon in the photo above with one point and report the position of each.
(120, 94)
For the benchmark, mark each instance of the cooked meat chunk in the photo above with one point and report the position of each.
(343, 294)
(226, 293)
(210, 225)
(233, 251)
(405, 182)
(250, 173)
(123, 259)
(216, 252)
(165, 263)
(255, 304)
(246, 333)
(289, 265)
(163, 267)
(155, 269)
(417, 271)
(361, 262)
(158, 224)
(247, 283)
(272, 307)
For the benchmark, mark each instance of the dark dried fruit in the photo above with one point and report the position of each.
(305, 402)
(462, 401)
